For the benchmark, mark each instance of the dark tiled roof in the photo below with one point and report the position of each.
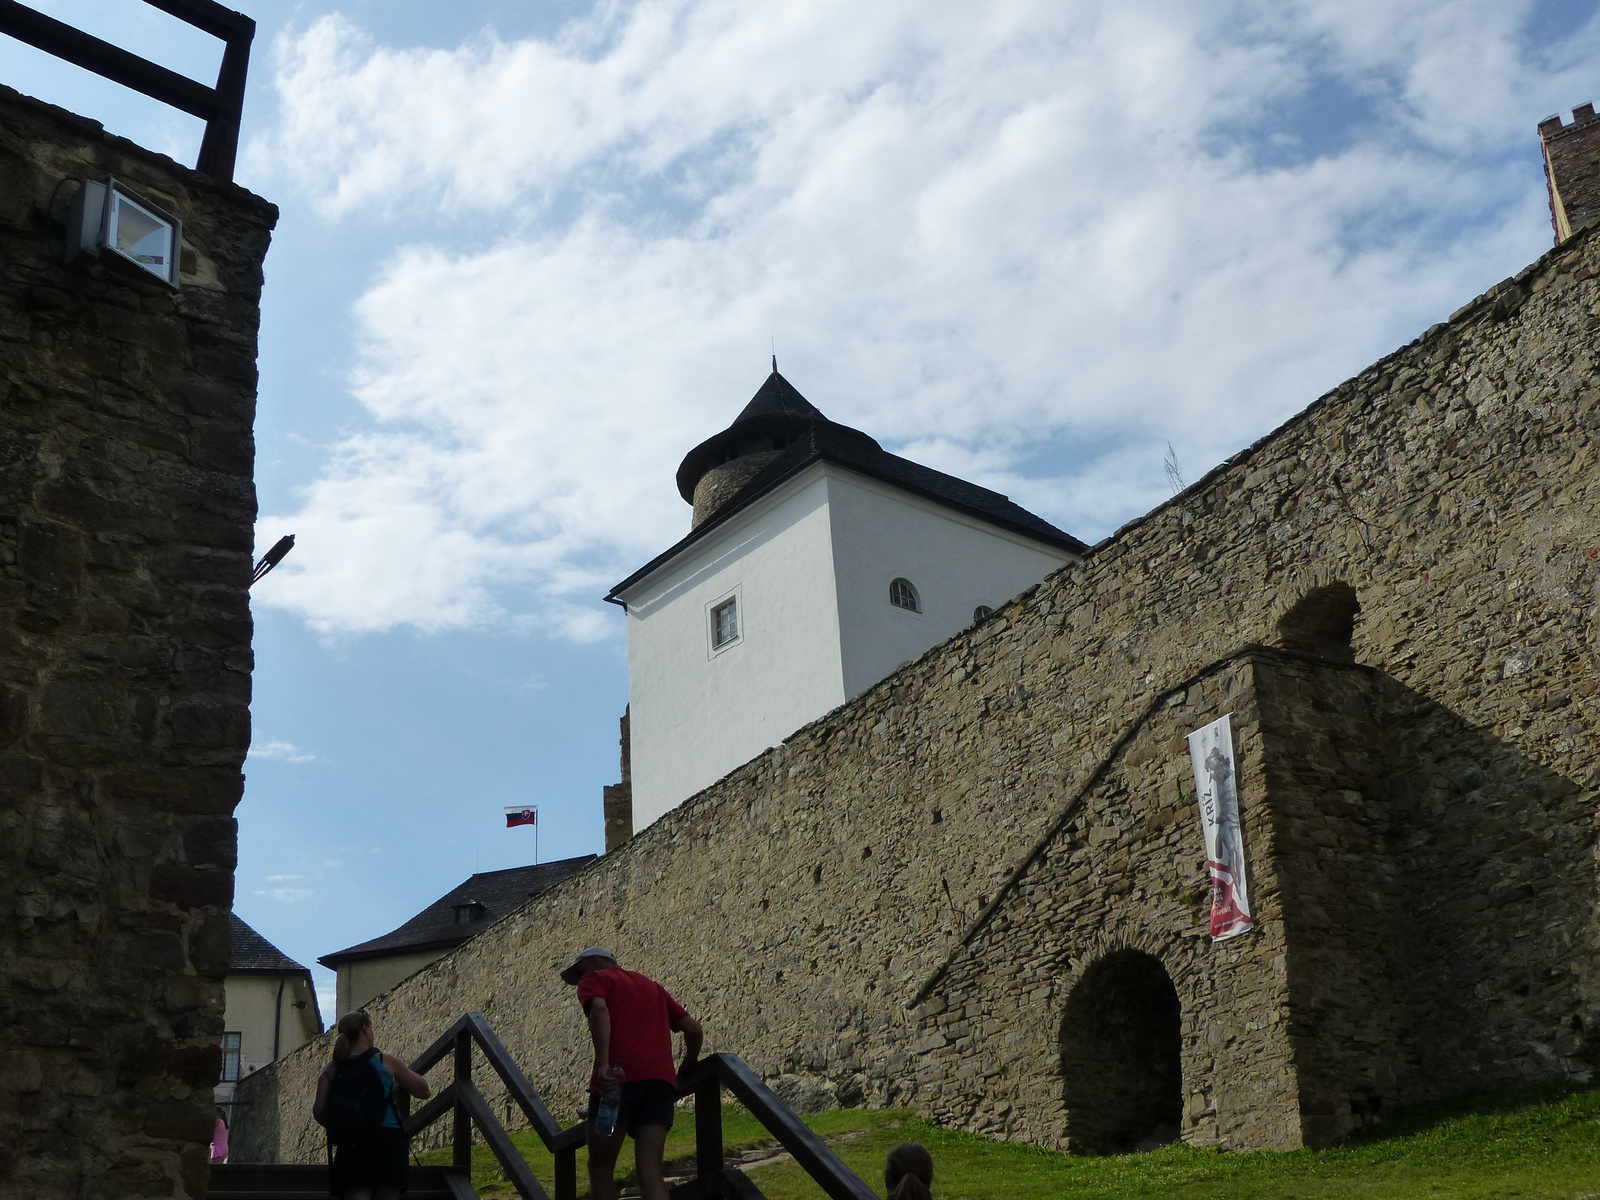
(822, 440)
(252, 952)
(778, 397)
(435, 927)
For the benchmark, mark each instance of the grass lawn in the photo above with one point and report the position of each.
(1541, 1144)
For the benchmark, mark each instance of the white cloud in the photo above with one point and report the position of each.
(287, 751)
(286, 895)
(1026, 242)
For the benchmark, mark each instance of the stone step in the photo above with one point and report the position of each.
(260, 1181)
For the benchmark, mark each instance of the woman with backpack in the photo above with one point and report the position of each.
(356, 1103)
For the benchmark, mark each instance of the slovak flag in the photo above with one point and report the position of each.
(521, 816)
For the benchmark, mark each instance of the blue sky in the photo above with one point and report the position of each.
(531, 253)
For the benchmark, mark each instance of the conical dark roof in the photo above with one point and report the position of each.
(778, 397)
(776, 415)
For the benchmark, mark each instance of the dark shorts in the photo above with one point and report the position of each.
(376, 1161)
(645, 1102)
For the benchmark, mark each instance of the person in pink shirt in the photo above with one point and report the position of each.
(631, 1022)
(219, 1138)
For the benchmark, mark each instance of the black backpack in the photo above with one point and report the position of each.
(356, 1104)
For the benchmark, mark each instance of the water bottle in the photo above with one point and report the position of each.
(605, 1117)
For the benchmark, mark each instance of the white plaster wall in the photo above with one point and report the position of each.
(359, 981)
(696, 715)
(955, 563)
(250, 1004)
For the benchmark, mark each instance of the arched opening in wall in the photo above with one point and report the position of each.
(1121, 1057)
(1322, 622)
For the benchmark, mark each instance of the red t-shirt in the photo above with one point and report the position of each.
(642, 1012)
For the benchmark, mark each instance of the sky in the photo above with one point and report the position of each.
(530, 254)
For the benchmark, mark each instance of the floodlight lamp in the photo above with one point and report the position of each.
(108, 220)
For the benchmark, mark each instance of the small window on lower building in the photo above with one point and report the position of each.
(903, 595)
(725, 622)
(232, 1044)
(466, 914)
(982, 611)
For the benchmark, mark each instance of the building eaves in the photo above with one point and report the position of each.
(252, 954)
(436, 928)
(847, 448)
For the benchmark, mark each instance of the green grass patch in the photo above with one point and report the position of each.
(1541, 1144)
(1529, 1144)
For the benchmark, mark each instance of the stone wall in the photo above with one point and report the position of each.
(126, 511)
(802, 904)
(1425, 905)
(1000, 1047)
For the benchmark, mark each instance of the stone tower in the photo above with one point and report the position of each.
(1572, 169)
(127, 506)
(717, 470)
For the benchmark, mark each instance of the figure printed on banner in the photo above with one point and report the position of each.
(1216, 789)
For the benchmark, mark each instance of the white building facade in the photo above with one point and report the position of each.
(818, 565)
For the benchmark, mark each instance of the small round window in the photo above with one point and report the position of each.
(982, 611)
(903, 595)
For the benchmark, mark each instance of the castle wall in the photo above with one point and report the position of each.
(1498, 857)
(1345, 899)
(997, 1049)
(802, 902)
(126, 510)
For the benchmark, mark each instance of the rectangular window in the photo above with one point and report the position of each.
(231, 1045)
(725, 622)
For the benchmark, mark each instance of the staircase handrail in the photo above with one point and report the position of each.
(476, 1026)
(704, 1080)
(466, 1103)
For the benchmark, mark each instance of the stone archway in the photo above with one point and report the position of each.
(1121, 1056)
(1323, 622)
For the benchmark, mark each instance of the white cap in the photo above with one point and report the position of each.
(569, 974)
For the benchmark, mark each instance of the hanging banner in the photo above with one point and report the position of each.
(1211, 755)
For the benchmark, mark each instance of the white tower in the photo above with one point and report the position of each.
(818, 563)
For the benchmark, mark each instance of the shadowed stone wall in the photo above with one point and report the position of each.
(126, 509)
(1424, 897)
(803, 903)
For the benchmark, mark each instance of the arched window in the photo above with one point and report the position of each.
(903, 595)
(1322, 622)
(982, 611)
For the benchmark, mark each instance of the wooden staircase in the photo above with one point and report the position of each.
(465, 1104)
(243, 1181)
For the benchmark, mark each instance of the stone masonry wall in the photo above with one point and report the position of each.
(802, 902)
(1122, 872)
(1372, 979)
(126, 510)
(1496, 852)
(1346, 900)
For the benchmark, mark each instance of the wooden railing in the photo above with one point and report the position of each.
(462, 1099)
(705, 1081)
(221, 107)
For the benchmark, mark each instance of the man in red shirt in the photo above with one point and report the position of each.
(631, 1021)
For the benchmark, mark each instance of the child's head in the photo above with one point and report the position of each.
(908, 1172)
